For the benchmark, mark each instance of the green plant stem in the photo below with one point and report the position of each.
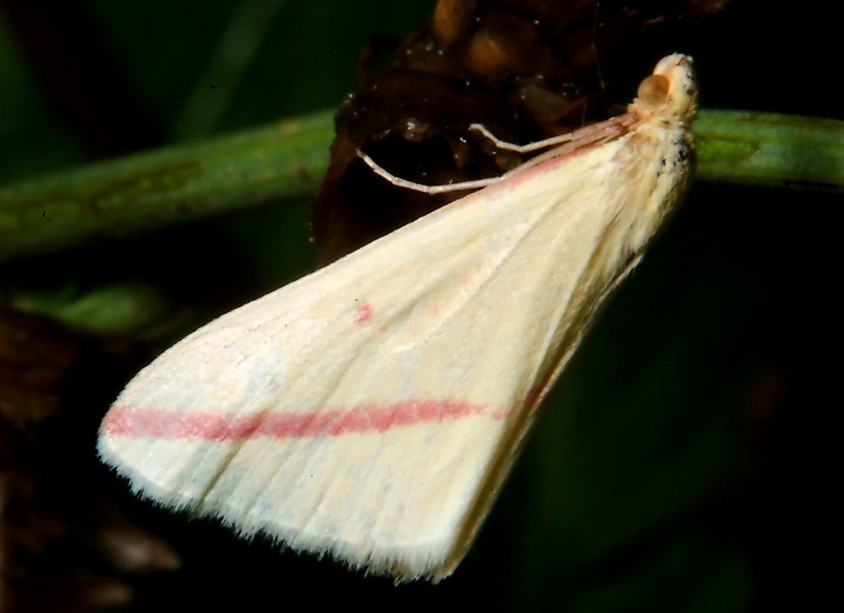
(151, 190)
(770, 149)
(286, 161)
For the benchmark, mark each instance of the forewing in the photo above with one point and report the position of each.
(372, 408)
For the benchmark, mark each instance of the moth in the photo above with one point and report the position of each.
(372, 409)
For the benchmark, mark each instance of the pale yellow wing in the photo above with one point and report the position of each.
(370, 410)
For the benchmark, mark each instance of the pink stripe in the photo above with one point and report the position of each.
(363, 313)
(124, 420)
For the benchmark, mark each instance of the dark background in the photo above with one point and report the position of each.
(683, 462)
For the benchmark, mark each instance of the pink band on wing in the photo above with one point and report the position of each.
(363, 313)
(124, 420)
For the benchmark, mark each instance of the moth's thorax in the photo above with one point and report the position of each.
(670, 151)
(660, 149)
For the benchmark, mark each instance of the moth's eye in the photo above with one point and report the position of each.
(653, 90)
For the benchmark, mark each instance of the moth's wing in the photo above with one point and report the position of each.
(371, 409)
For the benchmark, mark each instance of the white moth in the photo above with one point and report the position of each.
(372, 409)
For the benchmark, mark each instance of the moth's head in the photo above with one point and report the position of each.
(671, 87)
